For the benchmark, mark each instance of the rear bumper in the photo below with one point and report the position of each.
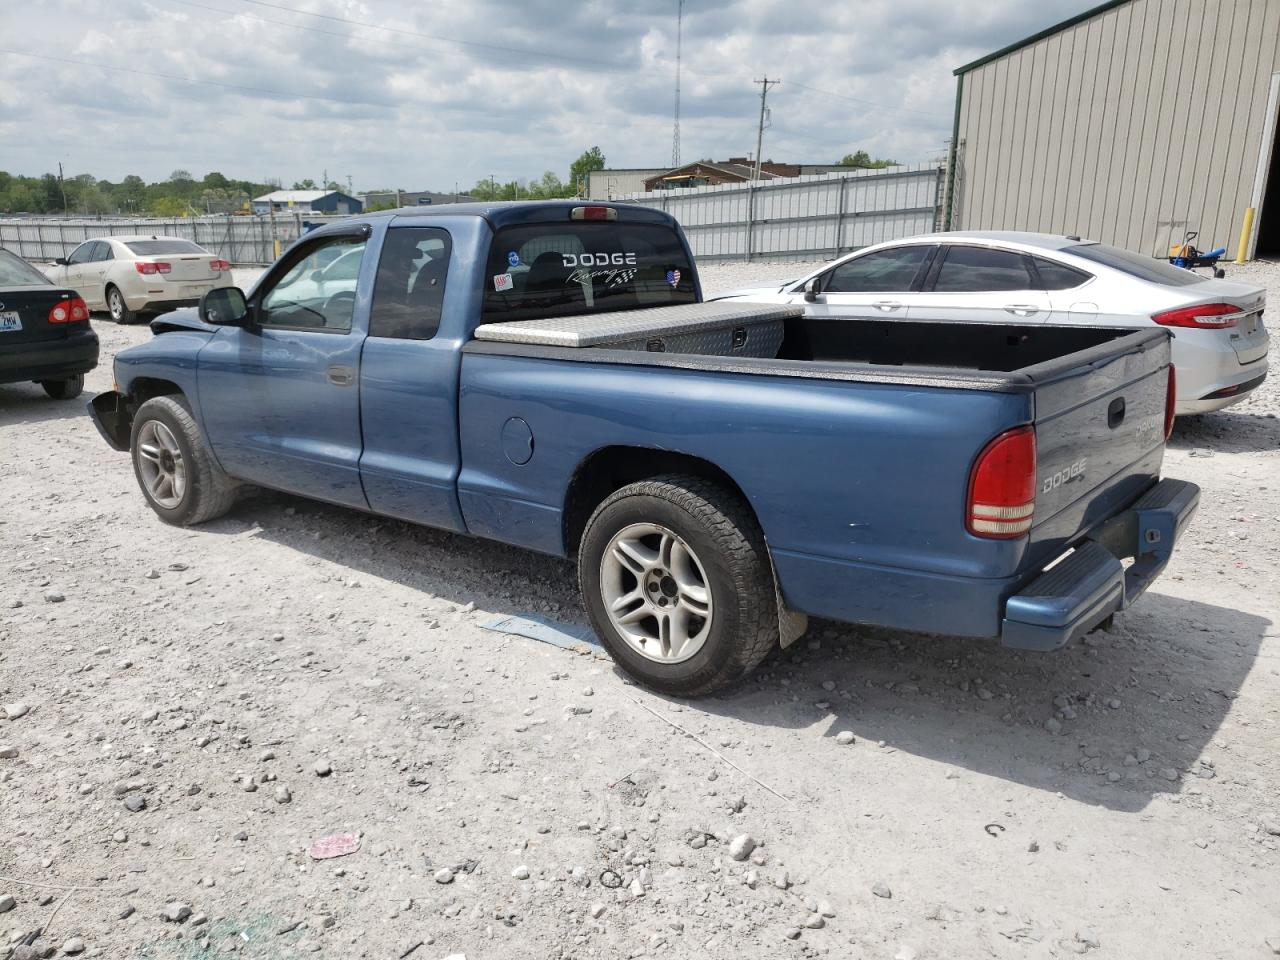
(1092, 583)
(49, 359)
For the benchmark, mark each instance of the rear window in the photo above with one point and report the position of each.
(16, 272)
(149, 248)
(1135, 264)
(563, 269)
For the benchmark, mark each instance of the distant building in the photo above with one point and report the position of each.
(307, 201)
(412, 198)
(607, 184)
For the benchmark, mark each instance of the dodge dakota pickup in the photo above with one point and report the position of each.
(547, 375)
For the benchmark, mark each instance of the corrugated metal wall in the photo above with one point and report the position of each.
(1131, 127)
(816, 216)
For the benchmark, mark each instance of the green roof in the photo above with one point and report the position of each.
(1047, 32)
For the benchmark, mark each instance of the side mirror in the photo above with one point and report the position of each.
(225, 306)
(62, 261)
(812, 287)
(317, 276)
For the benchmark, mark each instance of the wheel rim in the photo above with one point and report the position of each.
(655, 593)
(160, 462)
(116, 304)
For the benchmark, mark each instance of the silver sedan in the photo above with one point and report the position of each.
(1219, 341)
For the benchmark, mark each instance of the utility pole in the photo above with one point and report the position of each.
(765, 84)
(63, 188)
(675, 136)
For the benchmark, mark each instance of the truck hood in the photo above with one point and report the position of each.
(186, 318)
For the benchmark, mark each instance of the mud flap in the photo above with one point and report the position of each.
(791, 624)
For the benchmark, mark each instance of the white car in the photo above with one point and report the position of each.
(134, 277)
(1219, 341)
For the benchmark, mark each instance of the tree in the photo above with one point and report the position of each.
(169, 207)
(213, 180)
(863, 159)
(333, 185)
(581, 168)
(179, 175)
(307, 184)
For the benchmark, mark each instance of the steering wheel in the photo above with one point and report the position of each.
(341, 297)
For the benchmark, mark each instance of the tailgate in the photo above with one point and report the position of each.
(24, 314)
(1099, 424)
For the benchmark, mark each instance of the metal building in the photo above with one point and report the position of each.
(1132, 123)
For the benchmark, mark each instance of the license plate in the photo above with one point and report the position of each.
(194, 291)
(9, 320)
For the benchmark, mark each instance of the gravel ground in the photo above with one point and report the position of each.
(183, 713)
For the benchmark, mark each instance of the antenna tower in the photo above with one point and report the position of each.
(675, 136)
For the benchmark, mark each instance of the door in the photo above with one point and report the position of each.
(877, 285)
(409, 382)
(70, 274)
(93, 274)
(975, 284)
(280, 397)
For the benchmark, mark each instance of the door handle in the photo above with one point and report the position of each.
(341, 376)
(1022, 309)
(887, 305)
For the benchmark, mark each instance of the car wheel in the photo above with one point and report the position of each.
(175, 468)
(677, 582)
(118, 309)
(67, 389)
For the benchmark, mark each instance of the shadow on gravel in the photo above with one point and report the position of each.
(28, 403)
(1227, 432)
(1171, 667)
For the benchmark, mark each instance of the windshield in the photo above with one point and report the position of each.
(16, 272)
(1135, 264)
(561, 269)
(149, 248)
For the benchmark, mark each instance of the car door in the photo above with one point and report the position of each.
(409, 380)
(69, 274)
(279, 397)
(981, 284)
(876, 285)
(93, 274)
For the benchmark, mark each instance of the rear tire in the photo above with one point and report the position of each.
(677, 582)
(174, 466)
(118, 309)
(67, 389)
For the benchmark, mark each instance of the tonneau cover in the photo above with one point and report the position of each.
(624, 326)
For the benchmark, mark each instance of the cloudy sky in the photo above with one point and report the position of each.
(426, 95)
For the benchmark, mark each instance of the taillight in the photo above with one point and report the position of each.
(73, 310)
(1002, 486)
(1170, 400)
(147, 269)
(217, 266)
(593, 213)
(1211, 316)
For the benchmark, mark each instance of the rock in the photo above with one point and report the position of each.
(135, 803)
(792, 933)
(1113, 703)
(1053, 725)
(444, 875)
(322, 768)
(984, 693)
(152, 574)
(905, 953)
(1033, 847)
(1168, 773)
(782, 881)
(52, 596)
(249, 784)
(7, 903)
(8, 751)
(283, 795)
(15, 710)
(120, 836)
(128, 911)
(825, 909)
(828, 685)
(814, 921)
(882, 890)
(521, 872)
(73, 946)
(597, 910)
(176, 912)
(741, 846)
(845, 737)
(1273, 944)
(198, 919)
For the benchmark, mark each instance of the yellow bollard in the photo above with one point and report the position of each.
(277, 246)
(1246, 230)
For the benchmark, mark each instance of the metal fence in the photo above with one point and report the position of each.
(242, 240)
(804, 217)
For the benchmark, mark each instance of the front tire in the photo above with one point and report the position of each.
(118, 309)
(67, 389)
(677, 582)
(175, 468)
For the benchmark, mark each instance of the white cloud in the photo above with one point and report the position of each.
(469, 88)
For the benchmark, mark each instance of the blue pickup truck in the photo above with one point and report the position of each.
(547, 375)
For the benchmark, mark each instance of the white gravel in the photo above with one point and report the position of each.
(291, 637)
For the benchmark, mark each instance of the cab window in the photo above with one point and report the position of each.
(309, 296)
(408, 293)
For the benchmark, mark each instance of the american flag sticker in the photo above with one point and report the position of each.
(673, 277)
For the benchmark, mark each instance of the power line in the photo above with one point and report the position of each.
(431, 36)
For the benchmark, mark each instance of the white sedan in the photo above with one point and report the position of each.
(134, 277)
(1219, 341)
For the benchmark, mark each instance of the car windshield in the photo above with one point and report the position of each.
(1135, 264)
(561, 269)
(149, 248)
(16, 272)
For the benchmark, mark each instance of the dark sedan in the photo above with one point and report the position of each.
(44, 331)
